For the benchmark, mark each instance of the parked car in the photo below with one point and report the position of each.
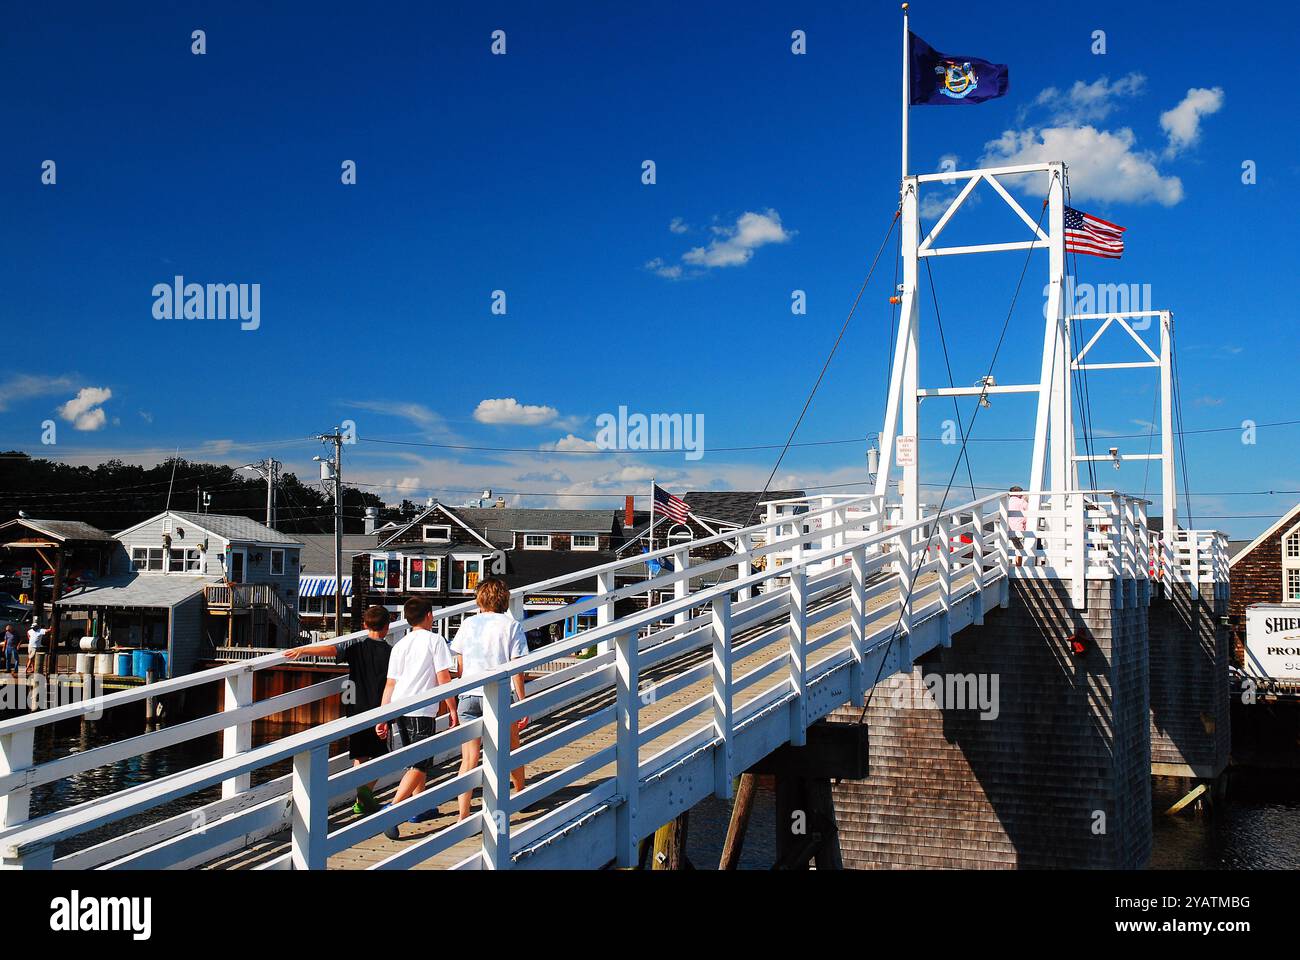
(11, 611)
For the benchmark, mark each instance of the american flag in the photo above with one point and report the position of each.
(674, 508)
(1085, 233)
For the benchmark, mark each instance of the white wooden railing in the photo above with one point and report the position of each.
(896, 593)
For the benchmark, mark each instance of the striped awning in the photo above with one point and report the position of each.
(322, 586)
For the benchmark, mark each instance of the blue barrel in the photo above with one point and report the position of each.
(123, 665)
(141, 663)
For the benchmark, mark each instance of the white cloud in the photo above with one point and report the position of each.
(571, 442)
(1182, 124)
(24, 386)
(508, 410)
(1089, 102)
(1104, 164)
(657, 266)
(408, 485)
(84, 411)
(736, 244)
(678, 225)
(416, 413)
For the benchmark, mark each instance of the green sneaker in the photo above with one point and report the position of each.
(366, 803)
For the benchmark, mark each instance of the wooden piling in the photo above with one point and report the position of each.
(741, 810)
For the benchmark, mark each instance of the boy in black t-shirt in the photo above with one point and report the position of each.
(367, 662)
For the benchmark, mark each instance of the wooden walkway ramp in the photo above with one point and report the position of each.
(735, 656)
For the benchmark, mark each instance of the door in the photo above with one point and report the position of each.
(236, 572)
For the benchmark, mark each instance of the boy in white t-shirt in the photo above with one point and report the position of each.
(483, 643)
(418, 663)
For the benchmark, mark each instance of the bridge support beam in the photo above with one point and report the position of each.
(1011, 748)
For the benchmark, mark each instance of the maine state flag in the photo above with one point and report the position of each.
(939, 78)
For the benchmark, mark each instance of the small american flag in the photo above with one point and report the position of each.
(1094, 236)
(674, 508)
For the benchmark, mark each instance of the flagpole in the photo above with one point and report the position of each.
(907, 85)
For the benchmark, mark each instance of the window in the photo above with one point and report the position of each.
(537, 541)
(436, 533)
(423, 573)
(1291, 564)
(147, 558)
(465, 573)
(585, 541)
(277, 563)
(183, 561)
(385, 573)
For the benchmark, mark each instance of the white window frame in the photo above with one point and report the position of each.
(530, 546)
(595, 541)
(1290, 563)
(389, 561)
(687, 535)
(410, 583)
(271, 568)
(191, 560)
(139, 564)
(446, 527)
(466, 557)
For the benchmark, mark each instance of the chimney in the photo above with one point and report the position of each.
(629, 515)
(372, 519)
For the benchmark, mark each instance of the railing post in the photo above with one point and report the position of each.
(237, 738)
(799, 655)
(905, 576)
(496, 774)
(15, 756)
(627, 747)
(722, 711)
(1194, 571)
(977, 563)
(858, 620)
(943, 529)
(605, 612)
(1076, 517)
(310, 825)
(744, 567)
(682, 564)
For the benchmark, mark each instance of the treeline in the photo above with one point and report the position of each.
(116, 495)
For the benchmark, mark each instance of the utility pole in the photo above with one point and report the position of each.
(269, 469)
(332, 469)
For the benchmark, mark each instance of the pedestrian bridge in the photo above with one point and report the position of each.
(700, 670)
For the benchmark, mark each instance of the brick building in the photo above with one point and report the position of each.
(1266, 570)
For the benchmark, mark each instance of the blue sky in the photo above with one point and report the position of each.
(523, 173)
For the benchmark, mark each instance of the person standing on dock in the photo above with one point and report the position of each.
(420, 662)
(367, 662)
(483, 643)
(11, 648)
(35, 645)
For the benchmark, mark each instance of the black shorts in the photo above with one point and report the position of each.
(366, 745)
(408, 730)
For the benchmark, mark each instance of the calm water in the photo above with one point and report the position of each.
(1257, 828)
